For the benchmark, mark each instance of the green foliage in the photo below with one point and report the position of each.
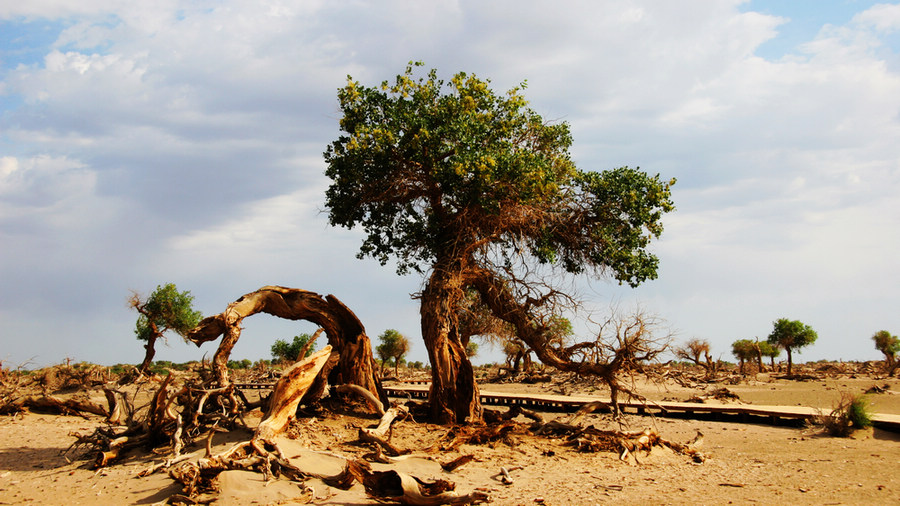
(118, 368)
(164, 310)
(744, 349)
(393, 347)
(767, 349)
(858, 412)
(471, 349)
(887, 344)
(282, 351)
(851, 413)
(239, 364)
(792, 334)
(431, 169)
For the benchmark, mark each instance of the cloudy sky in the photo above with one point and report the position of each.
(181, 141)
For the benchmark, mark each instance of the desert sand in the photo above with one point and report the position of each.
(745, 463)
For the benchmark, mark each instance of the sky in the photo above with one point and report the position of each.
(143, 143)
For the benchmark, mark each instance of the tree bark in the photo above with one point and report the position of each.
(790, 361)
(288, 393)
(454, 394)
(155, 334)
(150, 346)
(351, 362)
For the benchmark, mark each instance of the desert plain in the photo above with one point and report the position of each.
(743, 463)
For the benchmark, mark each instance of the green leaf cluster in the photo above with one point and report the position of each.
(792, 334)
(290, 352)
(433, 169)
(886, 343)
(164, 310)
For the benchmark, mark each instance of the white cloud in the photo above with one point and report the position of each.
(181, 141)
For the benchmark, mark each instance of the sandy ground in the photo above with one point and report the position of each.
(746, 463)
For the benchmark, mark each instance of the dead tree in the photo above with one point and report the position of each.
(351, 361)
(693, 350)
(622, 344)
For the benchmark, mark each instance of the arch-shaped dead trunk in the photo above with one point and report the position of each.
(351, 360)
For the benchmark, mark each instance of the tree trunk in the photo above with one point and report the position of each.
(148, 356)
(790, 361)
(352, 361)
(454, 395)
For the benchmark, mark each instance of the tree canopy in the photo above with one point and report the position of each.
(164, 310)
(464, 185)
(791, 335)
(394, 346)
(744, 350)
(889, 345)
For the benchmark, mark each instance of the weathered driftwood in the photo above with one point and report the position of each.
(121, 412)
(52, 404)
(400, 487)
(379, 435)
(457, 463)
(288, 393)
(353, 362)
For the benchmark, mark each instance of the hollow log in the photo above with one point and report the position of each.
(346, 334)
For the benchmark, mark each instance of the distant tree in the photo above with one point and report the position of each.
(283, 351)
(889, 345)
(767, 349)
(240, 364)
(393, 347)
(743, 350)
(166, 309)
(695, 349)
(791, 335)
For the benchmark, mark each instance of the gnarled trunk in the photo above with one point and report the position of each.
(150, 348)
(351, 360)
(454, 394)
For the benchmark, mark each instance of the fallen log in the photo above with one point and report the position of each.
(52, 404)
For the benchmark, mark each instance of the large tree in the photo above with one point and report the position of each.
(791, 335)
(164, 310)
(467, 186)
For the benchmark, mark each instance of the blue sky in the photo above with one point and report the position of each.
(181, 142)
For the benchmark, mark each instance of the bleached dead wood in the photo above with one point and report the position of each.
(288, 393)
(352, 362)
(384, 485)
(379, 435)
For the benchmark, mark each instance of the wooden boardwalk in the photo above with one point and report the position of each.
(747, 413)
(734, 412)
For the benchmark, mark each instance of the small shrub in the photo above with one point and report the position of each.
(851, 413)
(858, 412)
